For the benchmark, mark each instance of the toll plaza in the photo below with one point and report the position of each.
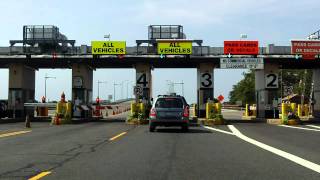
(167, 46)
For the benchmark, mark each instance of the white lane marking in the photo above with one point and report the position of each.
(291, 157)
(218, 130)
(318, 127)
(295, 127)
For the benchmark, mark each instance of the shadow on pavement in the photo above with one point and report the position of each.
(179, 130)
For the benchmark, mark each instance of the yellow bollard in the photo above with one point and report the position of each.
(209, 110)
(247, 112)
(218, 108)
(254, 110)
(293, 107)
(299, 110)
(284, 110)
(58, 108)
(68, 109)
(142, 108)
(133, 108)
(306, 110)
(195, 110)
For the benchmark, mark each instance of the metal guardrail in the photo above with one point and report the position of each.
(49, 105)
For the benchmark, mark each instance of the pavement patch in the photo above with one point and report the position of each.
(302, 128)
(117, 136)
(13, 133)
(41, 175)
(305, 163)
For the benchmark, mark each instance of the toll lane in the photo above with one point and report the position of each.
(300, 142)
(48, 147)
(171, 154)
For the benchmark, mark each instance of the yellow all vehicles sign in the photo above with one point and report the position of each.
(174, 47)
(108, 47)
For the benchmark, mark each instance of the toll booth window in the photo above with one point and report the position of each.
(169, 103)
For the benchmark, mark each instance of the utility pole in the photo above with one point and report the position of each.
(181, 83)
(100, 82)
(114, 91)
(45, 84)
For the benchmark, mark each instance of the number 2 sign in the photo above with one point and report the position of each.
(271, 81)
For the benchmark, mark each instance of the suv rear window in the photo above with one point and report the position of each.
(169, 103)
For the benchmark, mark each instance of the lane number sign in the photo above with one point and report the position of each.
(142, 79)
(271, 81)
(206, 80)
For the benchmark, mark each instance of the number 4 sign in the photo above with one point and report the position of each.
(142, 79)
(271, 81)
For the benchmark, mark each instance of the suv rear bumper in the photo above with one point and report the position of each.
(169, 122)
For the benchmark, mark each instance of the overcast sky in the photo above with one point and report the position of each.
(214, 21)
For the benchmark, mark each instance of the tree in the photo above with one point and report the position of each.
(244, 90)
(299, 80)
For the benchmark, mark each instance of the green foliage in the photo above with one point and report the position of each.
(285, 120)
(298, 79)
(245, 89)
(141, 116)
(132, 116)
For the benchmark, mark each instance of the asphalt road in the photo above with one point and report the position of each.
(114, 150)
(232, 114)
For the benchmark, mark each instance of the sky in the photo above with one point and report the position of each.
(213, 21)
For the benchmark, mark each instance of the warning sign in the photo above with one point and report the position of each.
(174, 47)
(241, 47)
(108, 47)
(305, 47)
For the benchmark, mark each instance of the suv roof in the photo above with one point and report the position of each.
(173, 96)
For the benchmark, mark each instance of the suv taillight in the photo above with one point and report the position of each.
(186, 111)
(153, 112)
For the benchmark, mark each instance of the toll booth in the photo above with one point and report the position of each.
(144, 81)
(316, 93)
(82, 77)
(21, 89)
(205, 92)
(267, 86)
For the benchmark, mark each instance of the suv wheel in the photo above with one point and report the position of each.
(152, 128)
(185, 128)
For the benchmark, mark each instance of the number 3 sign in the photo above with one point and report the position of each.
(206, 80)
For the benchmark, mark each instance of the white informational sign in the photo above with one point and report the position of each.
(275, 103)
(271, 81)
(268, 107)
(77, 82)
(241, 63)
(138, 90)
(206, 80)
